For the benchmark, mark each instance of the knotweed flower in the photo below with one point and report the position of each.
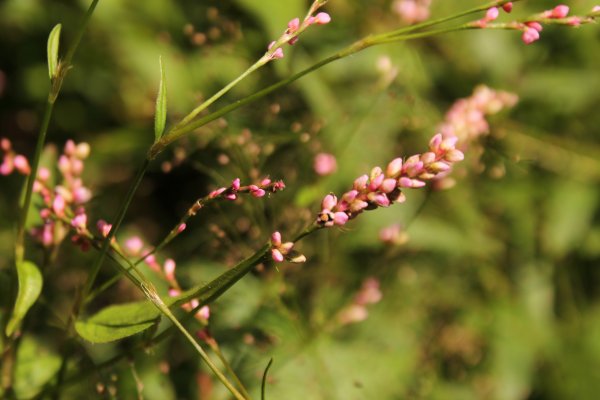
(281, 251)
(294, 29)
(412, 11)
(383, 188)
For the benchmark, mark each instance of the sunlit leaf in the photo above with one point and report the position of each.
(30, 287)
(53, 42)
(160, 113)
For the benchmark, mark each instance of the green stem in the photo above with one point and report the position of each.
(20, 244)
(188, 118)
(153, 296)
(106, 244)
(212, 343)
(390, 37)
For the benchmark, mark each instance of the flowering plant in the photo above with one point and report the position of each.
(257, 208)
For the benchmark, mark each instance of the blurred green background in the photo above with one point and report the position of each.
(495, 295)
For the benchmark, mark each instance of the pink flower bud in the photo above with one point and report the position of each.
(434, 143)
(174, 292)
(103, 227)
(508, 7)
(325, 164)
(572, 21)
(379, 198)
(169, 269)
(322, 18)
(21, 164)
(491, 14)
(235, 185)
(329, 202)
(70, 147)
(276, 255)
(181, 227)
(58, 205)
(535, 25)
(286, 247)
(596, 9)
(394, 167)
(203, 313)
(230, 196)
(278, 53)
(560, 11)
(439, 166)
(217, 192)
(293, 25)
(350, 196)
(358, 205)
(340, 218)
(6, 145)
(276, 239)
(134, 245)
(428, 157)
(43, 174)
(454, 155)
(265, 182)
(376, 181)
(388, 185)
(45, 213)
(79, 221)
(279, 185)
(361, 182)
(530, 35)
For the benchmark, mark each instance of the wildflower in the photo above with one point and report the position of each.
(412, 11)
(325, 164)
(284, 251)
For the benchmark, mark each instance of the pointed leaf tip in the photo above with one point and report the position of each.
(160, 113)
(53, 42)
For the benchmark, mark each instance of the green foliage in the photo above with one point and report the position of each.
(53, 43)
(30, 287)
(160, 113)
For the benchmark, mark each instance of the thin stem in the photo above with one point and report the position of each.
(106, 244)
(153, 296)
(264, 380)
(20, 244)
(390, 37)
(188, 118)
(212, 343)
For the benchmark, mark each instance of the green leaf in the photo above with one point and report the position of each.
(53, 42)
(118, 322)
(160, 114)
(30, 287)
(36, 365)
(124, 320)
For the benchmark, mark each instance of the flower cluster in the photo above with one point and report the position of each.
(532, 27)
(231, 192)
(368, 294)
(412, 11)
(466, 119)
(65, 200)
(12, 161)
(295, 28)
(383, 188)
(281, 251)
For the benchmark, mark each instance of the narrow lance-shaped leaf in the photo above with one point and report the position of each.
(124, 320)
(53, 42)
(30, 287)
(160, 113)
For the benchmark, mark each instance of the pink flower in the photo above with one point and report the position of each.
(560, 11)
(322, 18)
(169, 269)
(325, 164)
(530, 35)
